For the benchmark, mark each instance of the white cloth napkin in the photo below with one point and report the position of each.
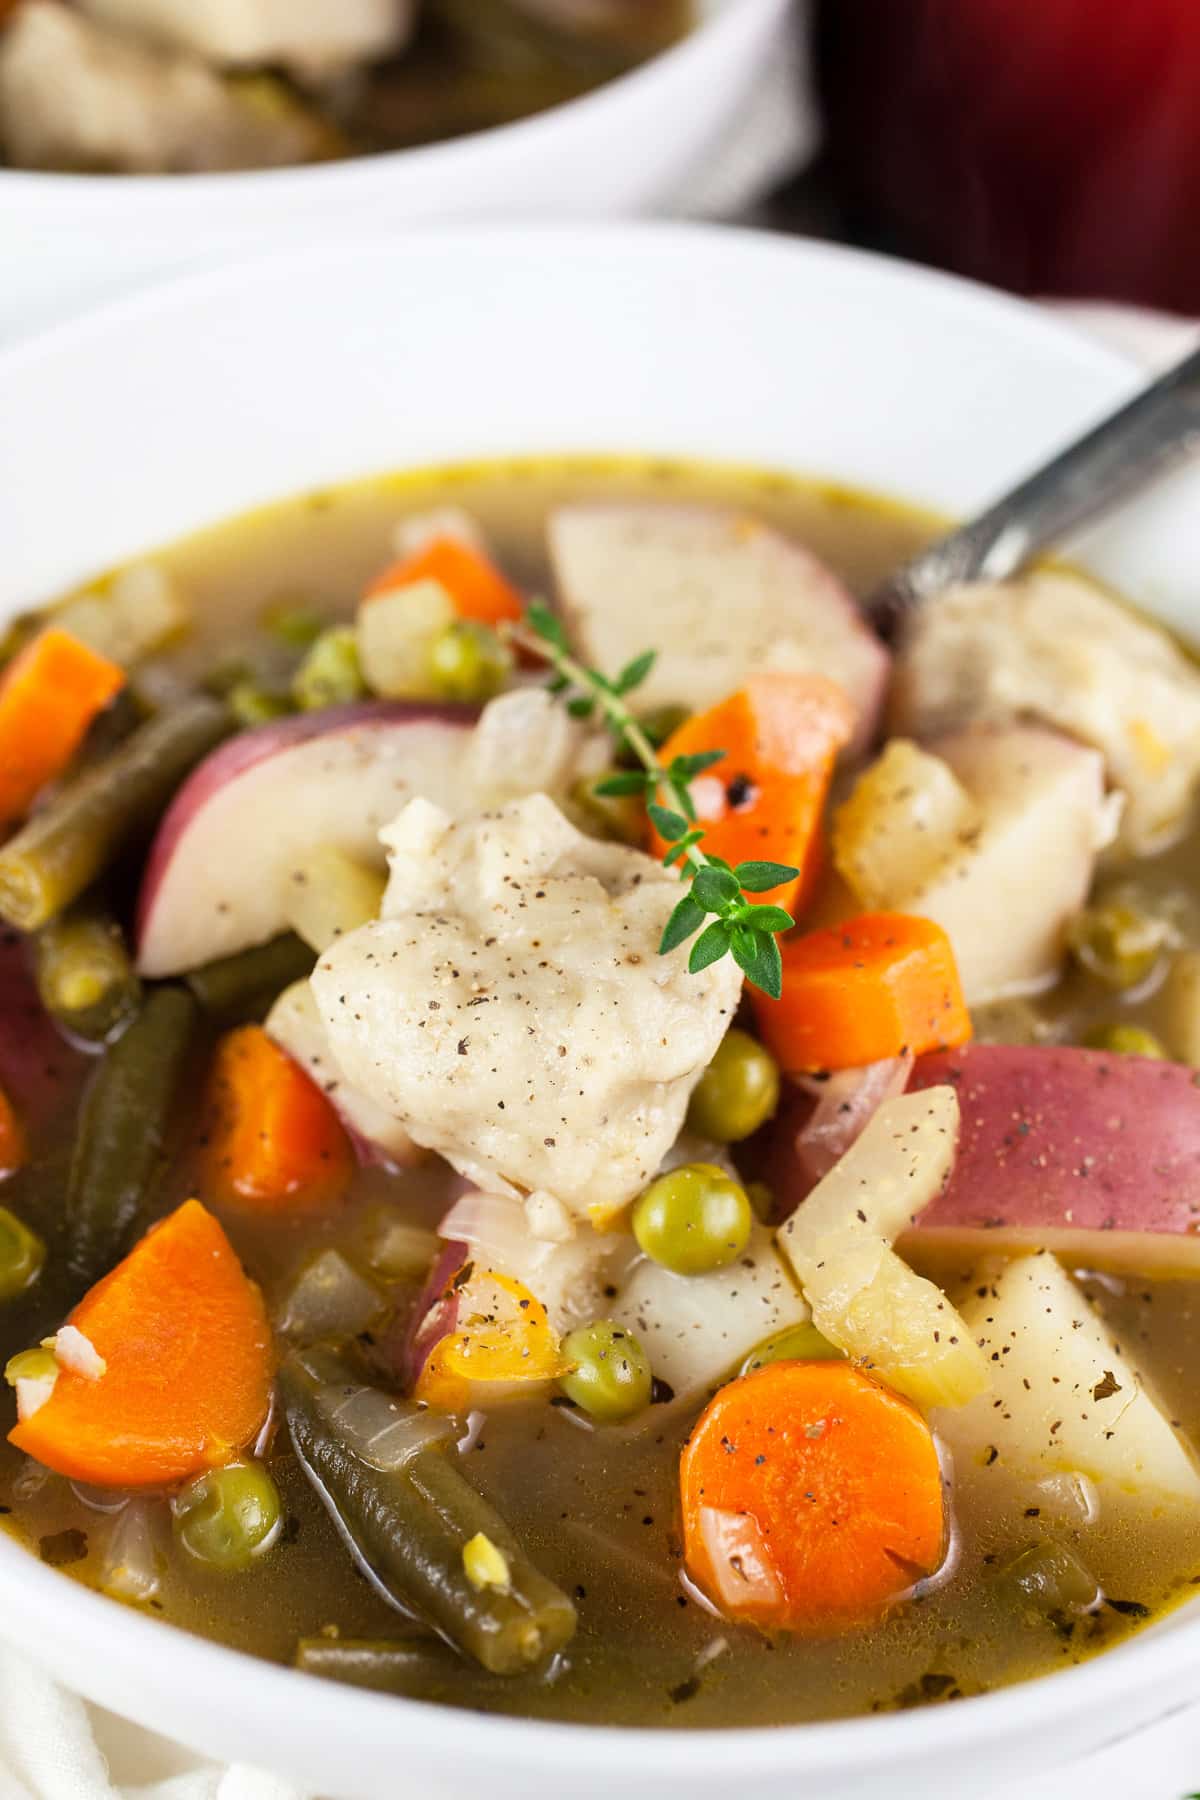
(54, 1747)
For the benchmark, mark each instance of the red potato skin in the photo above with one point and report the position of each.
(239, 754)
(1093, 1156)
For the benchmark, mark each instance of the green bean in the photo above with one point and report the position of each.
(85, 978)
(245, 985)
(390, 1666)
(62, 849)
(410, 1526)
(122, 1132)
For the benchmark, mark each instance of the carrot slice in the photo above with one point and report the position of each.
(184, 1336)
(12, 1138)
(275, 1142)
(763, 801)
(502, 1341)
(863, 991)
(53, 690)
(812, 1497)
(475, 585)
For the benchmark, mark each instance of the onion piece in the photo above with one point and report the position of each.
(436, 1312)
(382, 1431)
(745, 1579)
(133, 1564)
(537, 1242)
(846, 1103)
(73, 1351)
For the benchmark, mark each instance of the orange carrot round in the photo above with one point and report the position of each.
(864, 991)
(477, 588)
(812, 1497)
(184, 1336)
(275, 1142)
(763, 801)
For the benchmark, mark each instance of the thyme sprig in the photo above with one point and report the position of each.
(717, 903)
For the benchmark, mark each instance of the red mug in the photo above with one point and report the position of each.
(1048, 146)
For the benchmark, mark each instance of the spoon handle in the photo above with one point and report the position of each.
(1126, 451)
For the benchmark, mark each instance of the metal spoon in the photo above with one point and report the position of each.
(1132, 447)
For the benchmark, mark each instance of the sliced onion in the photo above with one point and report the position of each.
(435, 1314)
(494, 1226)
(745, 1579)
(383, 1431)
(846, 1103)
(132, 1566)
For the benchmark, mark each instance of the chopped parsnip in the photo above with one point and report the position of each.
(330, 894)
(839, 1241)
(1065, 1397)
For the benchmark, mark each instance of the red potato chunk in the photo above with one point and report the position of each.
(1093, 1156)
(719, 595)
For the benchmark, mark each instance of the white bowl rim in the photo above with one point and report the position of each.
(99, 1626)
(539, 131)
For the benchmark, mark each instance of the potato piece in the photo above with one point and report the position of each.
(141, 610)
(718, 594)
(1011, 800)
(697, 1328)
(1065, 1398)
(395, 636)
(1181, 1007)
(77, 96)
(1055, 647)
(311, 38)
(907, 816)
(839, 1242)
(295, 1025)
(331, 894)
(1091, 1155)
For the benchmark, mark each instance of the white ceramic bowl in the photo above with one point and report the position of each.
(184, 405)
(628, 148)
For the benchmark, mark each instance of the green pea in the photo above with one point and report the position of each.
(1118, 943)
(22, 1254)
(1127, 1040)
(252, 704)
(330, 674)
(621, 818)
(694, 1220)
(611, 1378)
(737, 1092)
(798, 1343)
(468, 662)
(292, 623)
(227, 1517)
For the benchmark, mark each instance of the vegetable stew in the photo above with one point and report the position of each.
(554, 1156)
